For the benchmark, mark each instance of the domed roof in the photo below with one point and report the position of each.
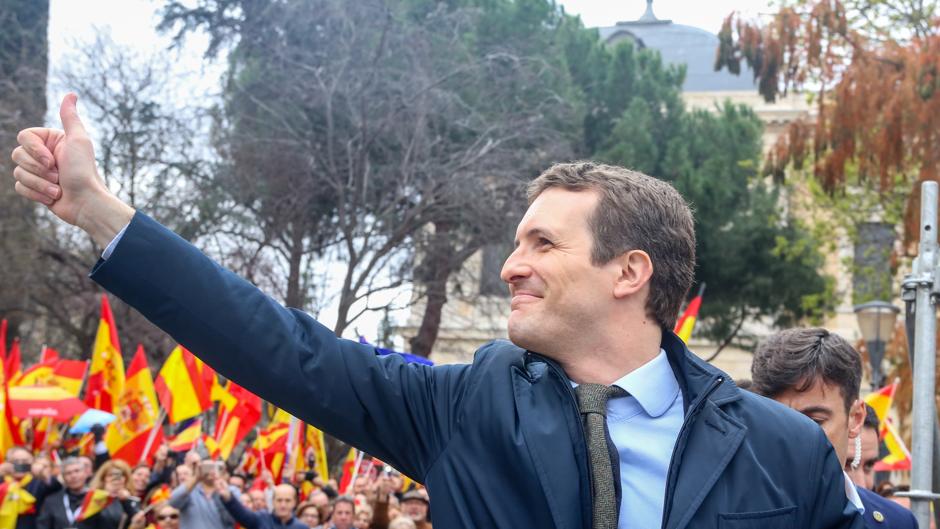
(680, 44)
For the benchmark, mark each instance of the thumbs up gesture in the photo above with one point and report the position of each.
(57, 168)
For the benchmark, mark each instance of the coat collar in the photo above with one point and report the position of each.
(711, 436)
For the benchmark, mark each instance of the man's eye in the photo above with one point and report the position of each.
(544, 242)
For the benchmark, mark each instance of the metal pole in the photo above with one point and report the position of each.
(925, 347)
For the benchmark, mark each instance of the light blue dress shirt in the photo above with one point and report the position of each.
(644, 428)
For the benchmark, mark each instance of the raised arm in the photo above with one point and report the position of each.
(244, 517)
(402, 413)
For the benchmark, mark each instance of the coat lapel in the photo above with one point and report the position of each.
(713, 439)
(555, 444)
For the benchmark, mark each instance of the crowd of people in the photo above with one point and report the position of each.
(187, 491)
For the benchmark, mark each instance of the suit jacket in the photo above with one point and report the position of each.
(882, 513)
(499, 442)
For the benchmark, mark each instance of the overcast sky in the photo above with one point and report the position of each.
(132, 22)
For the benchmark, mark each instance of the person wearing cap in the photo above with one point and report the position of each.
(415, 505)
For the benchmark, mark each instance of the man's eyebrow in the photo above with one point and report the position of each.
(536, 232)
(816, 409)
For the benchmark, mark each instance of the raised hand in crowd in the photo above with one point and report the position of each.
(139, 521)
(222, 489)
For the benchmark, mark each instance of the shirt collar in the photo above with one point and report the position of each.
(653, 385)
(852, 494)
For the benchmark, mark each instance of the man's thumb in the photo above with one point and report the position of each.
(69, 115)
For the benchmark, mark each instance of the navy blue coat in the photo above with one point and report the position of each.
(890, 514)
(499, 442)
(258, 520)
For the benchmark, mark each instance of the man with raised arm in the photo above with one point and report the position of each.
(593, 415)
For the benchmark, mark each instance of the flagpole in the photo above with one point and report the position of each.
(920, 287)
(355, 473)
(153, 434)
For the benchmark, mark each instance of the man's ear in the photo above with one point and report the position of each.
(856, 418)
(636, 269)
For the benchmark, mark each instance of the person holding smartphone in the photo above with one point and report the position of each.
(195, 498)
(34, 476)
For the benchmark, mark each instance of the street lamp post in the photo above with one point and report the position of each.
(876, 323)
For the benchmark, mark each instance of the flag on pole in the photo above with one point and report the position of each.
(180, 386)
(881, 401)
(185, 441)
(52, 371)
(9, 432)
(899, 457)
(106, 376)
(237, 418)
(212, 447)
(137, 413)
(96, 500)
(687, 321)
(350, 464)
(316, 442)
(270, 448)
(12, 368)
(3, 346)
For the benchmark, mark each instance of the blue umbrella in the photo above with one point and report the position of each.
(90, 418)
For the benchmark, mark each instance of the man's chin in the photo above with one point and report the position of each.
(524, 336)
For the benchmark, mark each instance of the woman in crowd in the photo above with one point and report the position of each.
(113, 477)
(308, 514)
(165, 516)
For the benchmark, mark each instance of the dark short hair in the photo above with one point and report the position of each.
(345, 499)
(635, 212)
(798, 358)
(871, 419)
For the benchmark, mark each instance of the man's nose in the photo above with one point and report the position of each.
(516, 267)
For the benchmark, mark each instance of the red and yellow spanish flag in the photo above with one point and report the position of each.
(137, 415)
(12, 367)
(96, 500)
(9, 432)
(271, 447)
(14, 501)
(3, 347)
(52, 371)
(881, 401)
(180, 386)
(237, 417)
(899, 457)
(212, 447)
(186, 440)
(106, 377)
(161, 493)
(686, 322)
(317, 444)
(349, 470)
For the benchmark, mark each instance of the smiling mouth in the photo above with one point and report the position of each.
(522, 298)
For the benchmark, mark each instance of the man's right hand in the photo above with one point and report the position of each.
(221, 486)
(57, 168)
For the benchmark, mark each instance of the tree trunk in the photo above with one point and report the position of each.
(435, 269)
(23, 64)
(295, 297)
